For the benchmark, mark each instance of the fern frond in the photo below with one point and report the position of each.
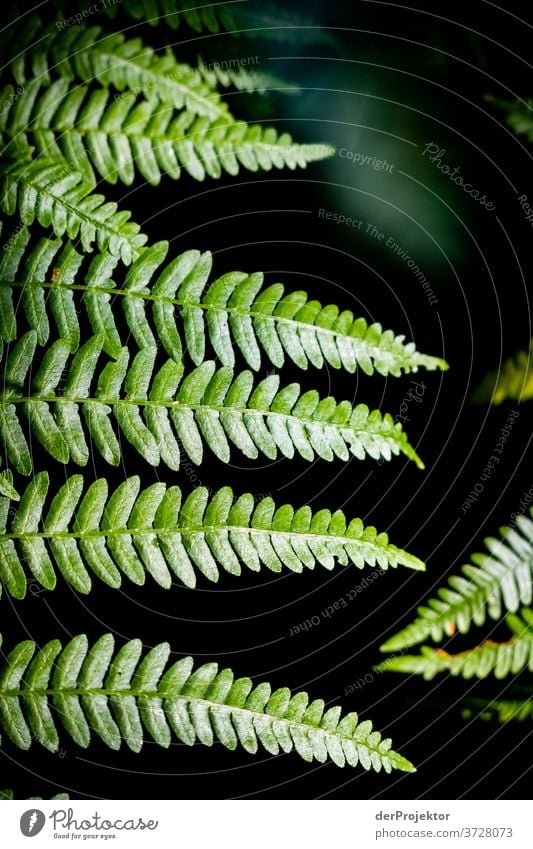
(90, 55)
(233, 311)
(121, 698)
(500, 581)
(228, 72)
(7, 794)
(253, 20)
(56, 195)
(500, 659)
(157, 530)
(93, 131)
(501, 710)
(513, 382)
(154, 408)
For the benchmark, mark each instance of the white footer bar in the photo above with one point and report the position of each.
(267, 824)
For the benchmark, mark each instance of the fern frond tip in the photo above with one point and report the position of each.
(430, 363)
(415, 563)
(316, 152)
(412, 455)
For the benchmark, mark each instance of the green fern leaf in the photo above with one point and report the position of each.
(93, 130)
(499, 659)
(513, 382)
(55, 195)
(158, 531)
(155, 408)
(7, 490)
(90, 55)
(121, 699)
(500, 581)
(233, 311)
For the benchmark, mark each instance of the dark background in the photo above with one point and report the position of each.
(383, 79)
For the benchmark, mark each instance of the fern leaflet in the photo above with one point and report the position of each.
(7, 490)
(151, 407)
(121, 698)
(233, 311)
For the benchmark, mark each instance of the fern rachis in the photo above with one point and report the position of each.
(120, 698)
(157, 531)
